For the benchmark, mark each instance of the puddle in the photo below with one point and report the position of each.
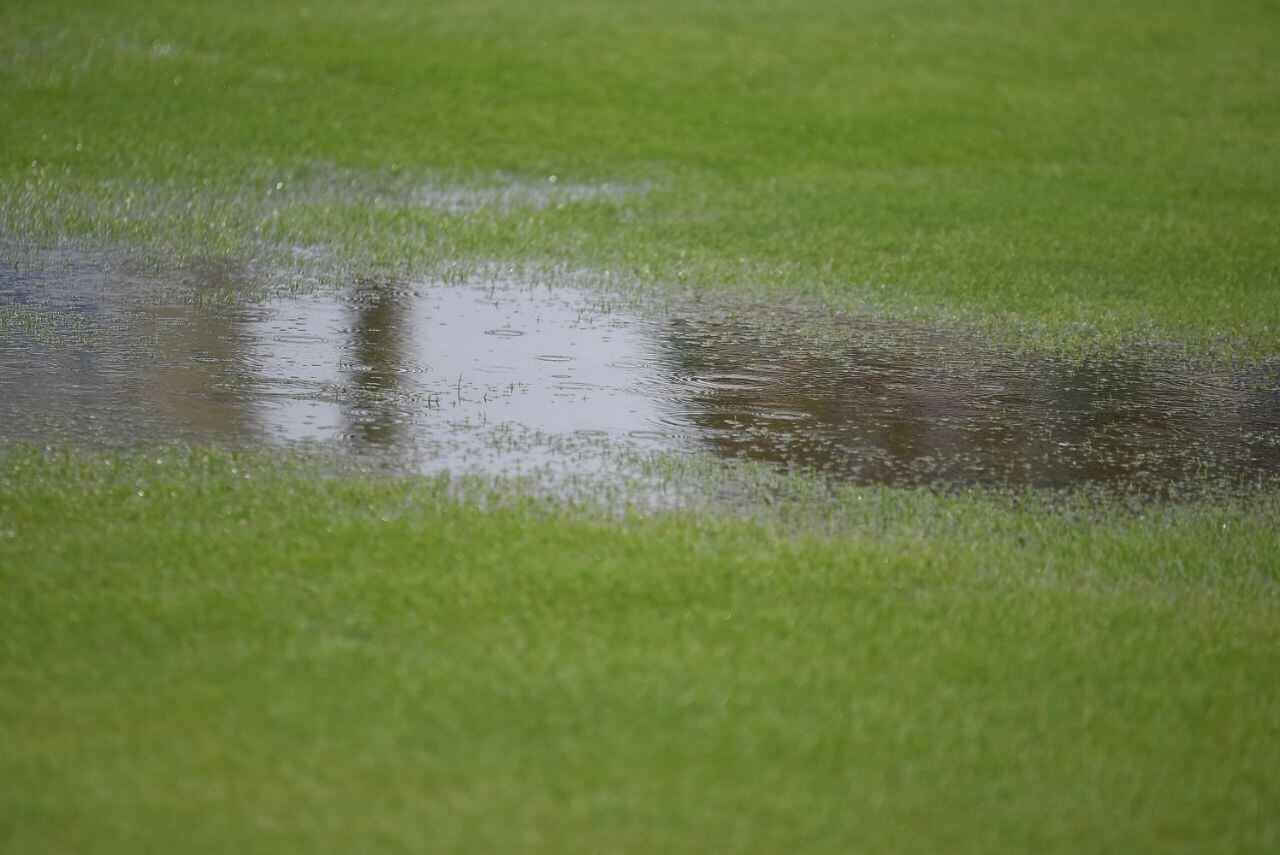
(512, 380)
(882, 403)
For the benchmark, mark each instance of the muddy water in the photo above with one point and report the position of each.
(888, 404)
(510, 379)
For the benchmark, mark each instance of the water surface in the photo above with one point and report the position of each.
(506, 378)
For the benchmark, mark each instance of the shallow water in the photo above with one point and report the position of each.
(503, 379)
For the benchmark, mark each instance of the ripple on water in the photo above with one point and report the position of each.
(434, 374)
(299, 339)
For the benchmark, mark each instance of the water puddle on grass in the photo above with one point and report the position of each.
(508, 379)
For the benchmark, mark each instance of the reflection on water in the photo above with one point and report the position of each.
(890, 404)
(458, 378)
(493, 378)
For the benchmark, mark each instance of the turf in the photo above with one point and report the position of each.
(214, 653)
(220, 653)
(1076, 174)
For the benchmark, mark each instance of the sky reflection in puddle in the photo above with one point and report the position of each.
(510, 379)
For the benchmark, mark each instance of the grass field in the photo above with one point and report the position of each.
(1076, 172)
(215, 652)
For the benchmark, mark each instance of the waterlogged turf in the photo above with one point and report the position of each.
(496, 377)
(1076, 173)
(1016, 261)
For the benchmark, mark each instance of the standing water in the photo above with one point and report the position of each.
(509, 379)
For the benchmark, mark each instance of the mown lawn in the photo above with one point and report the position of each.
(220, 653)
(208, 653)
(1076, 173)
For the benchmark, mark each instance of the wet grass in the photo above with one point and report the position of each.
(438, 376)
(53, 330)
(220, 653)
(1072, 174)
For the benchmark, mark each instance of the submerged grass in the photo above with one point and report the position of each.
(1074, 174)
(219, 652)
(223, 652)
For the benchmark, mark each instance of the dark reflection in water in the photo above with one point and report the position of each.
(494, 378)
(890, 404)
(378, 350)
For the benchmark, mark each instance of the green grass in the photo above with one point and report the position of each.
(214, 653)
(1069, 173)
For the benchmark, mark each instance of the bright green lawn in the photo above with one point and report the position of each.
(220, 655)
(193, 660)
(1074, 171)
